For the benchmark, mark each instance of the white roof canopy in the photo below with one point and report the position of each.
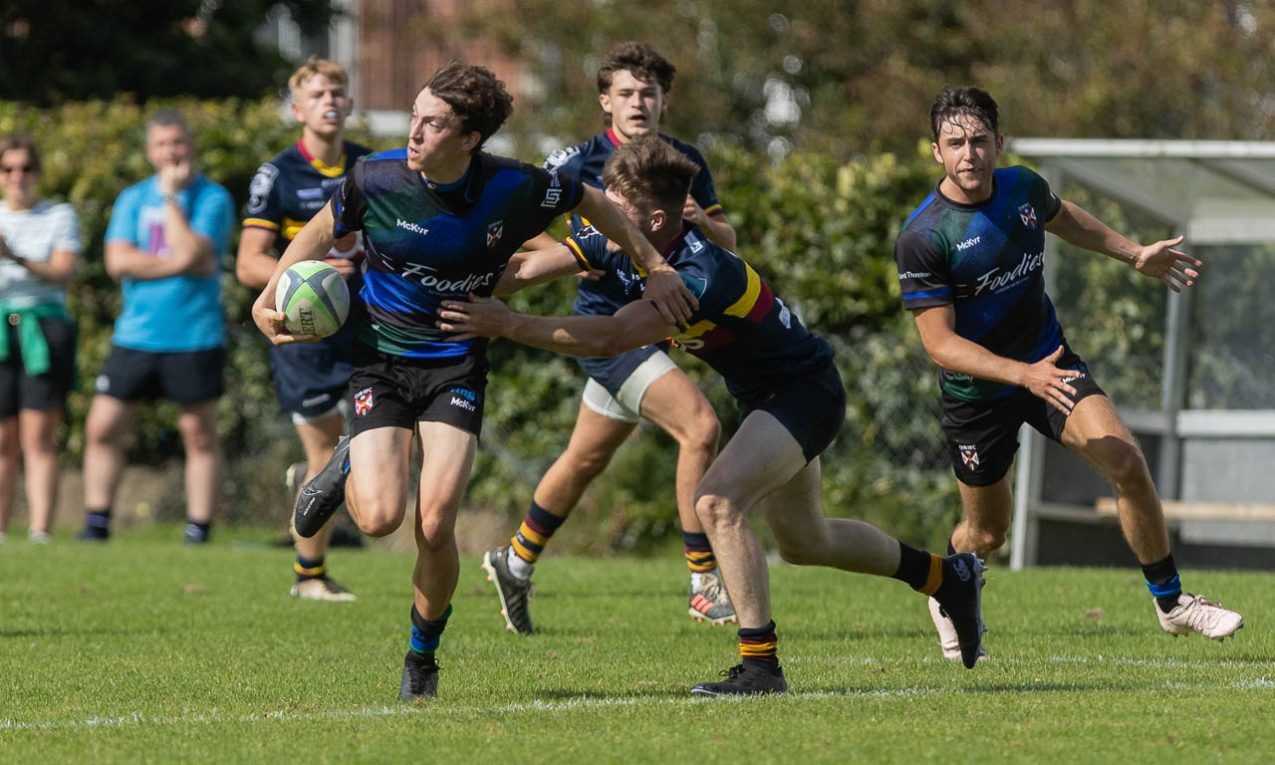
(1216, 192)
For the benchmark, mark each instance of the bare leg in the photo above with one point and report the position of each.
(677, 406)
(446, 462)
(376, 490)
(594, 441)
(985, 519)
(39, 433)
(198, 426)
(318, 439)
(104, 431)
(10, 462)
(1095, 432)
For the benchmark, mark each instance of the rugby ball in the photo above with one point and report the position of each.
(313, 297)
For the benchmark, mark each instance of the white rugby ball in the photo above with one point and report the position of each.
(314, 298)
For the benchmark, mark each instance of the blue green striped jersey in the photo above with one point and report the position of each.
(987, 261)
(427, 243)
(742, 329)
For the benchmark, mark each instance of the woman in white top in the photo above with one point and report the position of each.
(39, 243)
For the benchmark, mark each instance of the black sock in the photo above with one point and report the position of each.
(951, 548)
(97, 523)
(426, 634)
(1163, 582)
(922, 571)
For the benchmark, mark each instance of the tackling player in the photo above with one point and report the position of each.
(971, 268)
(440, 219)
(310, 379)
(633, 90)
(791, 401)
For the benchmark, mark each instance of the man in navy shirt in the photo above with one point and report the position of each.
(633, 91)
(971, 269)
(440, 219)
(311, 379)
(791, 400)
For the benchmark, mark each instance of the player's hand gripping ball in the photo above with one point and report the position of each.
(313, 297)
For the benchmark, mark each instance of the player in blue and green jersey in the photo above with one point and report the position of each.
(633, 87)
(791, 401)
(310, 380)
(971, 269)
(440, 219)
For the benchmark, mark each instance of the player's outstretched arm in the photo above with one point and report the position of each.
(1158, 260)
(533, 267)
(253, 262)
(663, 286)
(954, 353)
(633, 326)
(312, 243)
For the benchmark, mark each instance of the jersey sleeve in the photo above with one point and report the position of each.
(924, 277)
(566, 161)
(1051, 203)
(552, 195)
(66, 229)
(264, 209)
(348, 203)
(123, 224)
(589, 247)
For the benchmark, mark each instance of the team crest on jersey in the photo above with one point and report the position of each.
(259, 188)
(554, 193)
(1028, 215)
(969, 455)
(494, 232)
(363, 402)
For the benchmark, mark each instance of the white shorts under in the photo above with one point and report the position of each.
(341, 407)
(627, 405)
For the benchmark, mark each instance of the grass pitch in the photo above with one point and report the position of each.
(145, 650)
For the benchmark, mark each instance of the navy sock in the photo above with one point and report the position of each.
(426, 634)
(921, 570)
(97, 524)
(951, 548)
(1163, 582)
(309, 568)
(759, 646)
(196, 532)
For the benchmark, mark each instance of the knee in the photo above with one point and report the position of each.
(198, 436)
(702, 432)
(8, 443)
(435, 534)
(375, 524)
(716, 510)
(589, 464)
(1125, 465)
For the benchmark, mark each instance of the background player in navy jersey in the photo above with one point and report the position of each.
(311, 380)
(971, 266)
(440, 219)
(633, 87)
(791, 401)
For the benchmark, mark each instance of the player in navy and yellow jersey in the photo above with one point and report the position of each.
(633, 90)
(971, 268)
(791, 401)
(286, 192)
(440, 219)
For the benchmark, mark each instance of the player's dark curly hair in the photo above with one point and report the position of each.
(475, 95)
(974, 102)
(641, 60)
(650, 174)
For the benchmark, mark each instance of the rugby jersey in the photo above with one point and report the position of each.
(742, 329)
(426, 244)
(584, 162)
(987, 261)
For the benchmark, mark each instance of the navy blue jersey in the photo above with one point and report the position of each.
(584, 162)
(426, 243)
(741, 328)
(288, 190)
(986, 260)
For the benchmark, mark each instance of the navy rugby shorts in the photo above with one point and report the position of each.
(811, 407)
(390, 391)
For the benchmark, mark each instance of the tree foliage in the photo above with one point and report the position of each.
(56, 50)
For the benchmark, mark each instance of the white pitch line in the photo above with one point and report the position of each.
(437, 708)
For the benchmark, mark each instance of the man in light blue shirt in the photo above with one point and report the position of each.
(165, 243)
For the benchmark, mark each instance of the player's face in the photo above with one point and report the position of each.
(18, 177)
(967, 148)
(437, 143)
(321, 106)
(636, 106)
(168, 145)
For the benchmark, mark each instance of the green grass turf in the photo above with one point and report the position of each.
(145, 650)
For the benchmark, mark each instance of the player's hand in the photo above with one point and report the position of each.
(665, 288)
(692, 212)
(344, 266)
(479, 317)
(592, 275)
(1049, 382)
(1172, 268)
(272, 325)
